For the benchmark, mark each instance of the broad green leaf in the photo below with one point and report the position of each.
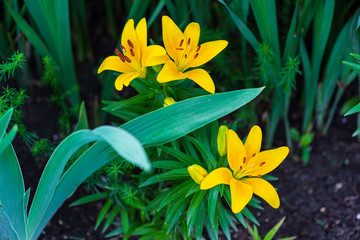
(6, 141)
(7, 231)
(246, 212)
(12, 187)
(4, 122)
(175, 212)
(46, 200)
(111, 217)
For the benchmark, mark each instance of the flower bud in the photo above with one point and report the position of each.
(221, 140)
(197, 173)
(168, 101)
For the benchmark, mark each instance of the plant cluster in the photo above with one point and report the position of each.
(171, 169)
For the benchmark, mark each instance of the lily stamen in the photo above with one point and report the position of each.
(122, 48)
(132, 52)
(188, 42)
(127, 59)
(198, 48)
(122, 58)
(181, 42)
(130, 43)
(196, 55)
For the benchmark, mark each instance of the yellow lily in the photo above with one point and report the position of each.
(183, 48)
(134, 56)
(248, 164)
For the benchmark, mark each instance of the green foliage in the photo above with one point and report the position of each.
(254, 232)
(8, 68)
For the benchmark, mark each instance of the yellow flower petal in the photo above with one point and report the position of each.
(141, 33)
(169, 73)
(202, 78)
(192, 32)
(125, 79)
(218, 176)
(241, 195)
(265, 190)
(130, 41)
(114, 63)
(266, 161)
(253, 142)
(236, 153)
(172, 37)
(207, 52)
(154, 55)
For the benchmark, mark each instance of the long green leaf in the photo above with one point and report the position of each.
(6, 229)
(121, 141)
(29, 32)
(150, 128)
(11, 181)
(245, 31)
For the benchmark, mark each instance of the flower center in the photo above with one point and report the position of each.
(185, 54)
(248, 169)
(128, 55)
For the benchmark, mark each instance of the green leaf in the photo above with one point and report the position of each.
(175, 118)
(168, 165)
(6, 141)
(305, 156)
(246, 212)
(175, 212)
(82, 120)
(307, 139)
(7, 231)
(46, 201)
(245, 31)
(111, 217)
(353, 110)
(205, 152)
(12, 187)
(184, 158)
(175, 193)
(274, 230)
(104, 210)
(212, 202)
(89, 199)
(194, 205)
(295, 134)
(195, 188)
(176, 174)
